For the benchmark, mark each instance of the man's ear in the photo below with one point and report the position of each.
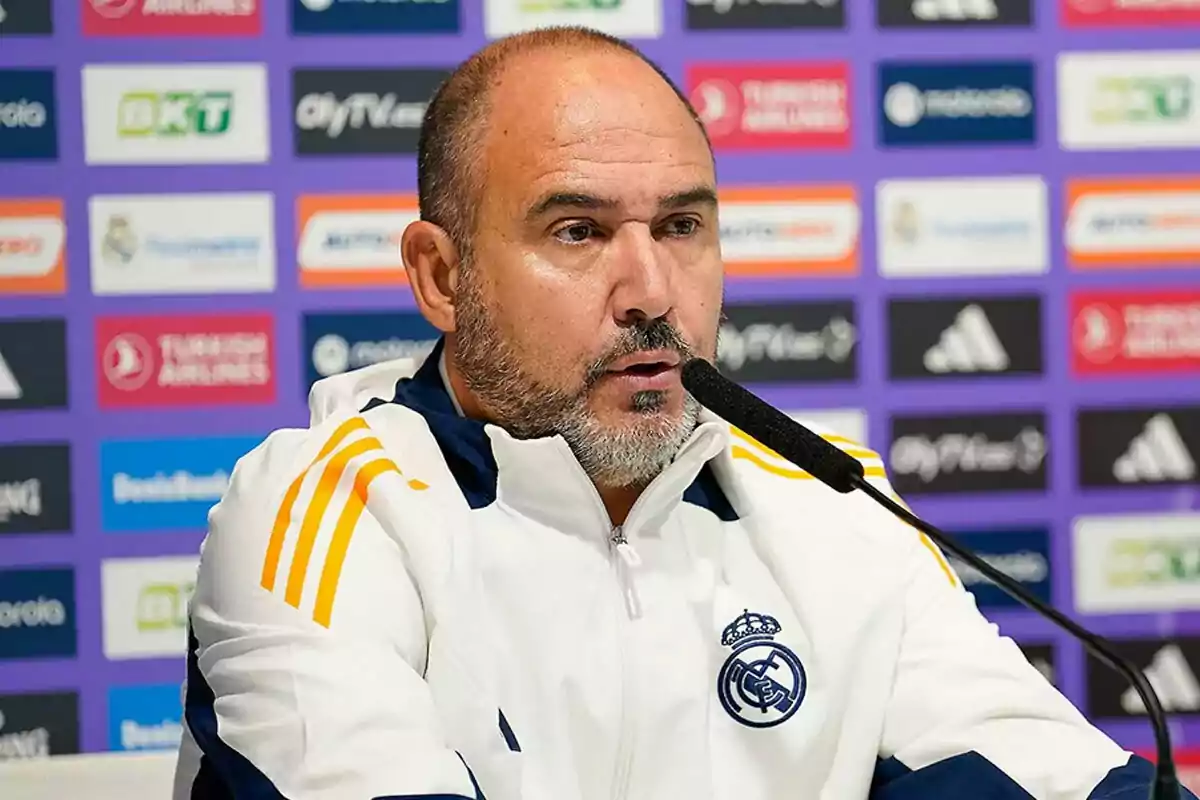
(431, 261)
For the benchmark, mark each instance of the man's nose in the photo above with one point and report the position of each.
(642, 286)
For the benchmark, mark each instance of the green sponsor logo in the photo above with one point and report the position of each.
(1154, 562)
(163, 606)
(175, 113)
(1143, 100)
(570, 5)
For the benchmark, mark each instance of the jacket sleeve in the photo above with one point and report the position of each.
(970, 717)
(308, 640)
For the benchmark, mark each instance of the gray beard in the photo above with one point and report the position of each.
(629, 455)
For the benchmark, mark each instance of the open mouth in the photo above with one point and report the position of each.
(651, 368)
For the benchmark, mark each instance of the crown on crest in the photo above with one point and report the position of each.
(750, 625)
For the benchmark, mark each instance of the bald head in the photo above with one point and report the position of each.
(520, 89)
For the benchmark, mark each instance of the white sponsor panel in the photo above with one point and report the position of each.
(1106, 223)
(145, 603)
(963, 226)
(30, 246)
(1128, 100)
(1137, 563)
(174, 114)
(355, 241)
(636, 19)
(850, 423)
(182, 243)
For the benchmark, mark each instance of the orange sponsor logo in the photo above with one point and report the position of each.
(352, 241)
(32, 247)
(1133, 222)
(790, 230)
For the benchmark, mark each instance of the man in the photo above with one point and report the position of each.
(537, 569)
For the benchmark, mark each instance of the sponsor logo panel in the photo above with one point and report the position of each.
(180, 243)
(172, 18)
(32, 247)
(749, 106)
(953, 13)
(1129, 332)
(1021, 554)
(166, 484)
(764, 14)
(172, 114)
(1136, 563)
(337, 343)
(967, 336)
(148, 717)
(145, 604)
(374, 16)
(26, 18)
(966, 102)
(1043, 658)
(1138, 446)
(968, 453)
(1128, 13)
(806, 342)
(33, 364)
(1128, 100)
(959, 227)
(1170, 666)
(360, 111)
(352, 240)
(628, 19)
(1122, 222)
(37, 613)
(774, 231)
(215, 359)
(38, 725)
(28, 115)
(35, 488)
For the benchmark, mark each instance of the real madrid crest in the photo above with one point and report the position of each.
(762, 682)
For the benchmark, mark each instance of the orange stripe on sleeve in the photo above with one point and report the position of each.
(317, 506)
(342, 533)
(284, 517)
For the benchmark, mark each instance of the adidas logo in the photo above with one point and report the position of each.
(1173, 681)
(946, 10)
(9, 388)
(970, 344)
(1156, 454)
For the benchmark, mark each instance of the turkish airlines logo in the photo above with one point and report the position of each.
(173, 361)
(1095, 13)
(1135, 332)
(758, 106)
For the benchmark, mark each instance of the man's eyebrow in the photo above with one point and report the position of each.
(697, 195)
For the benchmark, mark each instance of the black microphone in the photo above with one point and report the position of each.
(844, 473)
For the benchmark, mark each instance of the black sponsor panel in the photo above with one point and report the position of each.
(37, 725)
(1169, 664)
(765, 14)
(1000, 452)
(953, 13)
(35, 488)
(25, 17)
(1138, 447)
(965, 337)
(360, 111)
(33, 364)
(1042, 657)
(777, 342)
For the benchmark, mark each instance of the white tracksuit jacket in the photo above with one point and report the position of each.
(403, 603)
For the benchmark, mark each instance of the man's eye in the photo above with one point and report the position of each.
(575, 233)
(682, 226)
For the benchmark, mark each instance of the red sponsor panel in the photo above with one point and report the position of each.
(1103, 13)
(158, 18)
(1127, 332)
(1187, 764)
(210, 359)
(757, 106)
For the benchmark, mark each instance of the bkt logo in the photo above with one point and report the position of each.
(375, 16)
(337, 343)
(166, 484)
(145, 717)
(28, 121)
(964, 102)
(37, 613)
(175, 113)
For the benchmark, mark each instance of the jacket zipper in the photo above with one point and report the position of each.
(627, 560)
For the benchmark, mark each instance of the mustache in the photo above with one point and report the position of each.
(657, 334)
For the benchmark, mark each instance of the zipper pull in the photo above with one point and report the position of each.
(627, 561)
